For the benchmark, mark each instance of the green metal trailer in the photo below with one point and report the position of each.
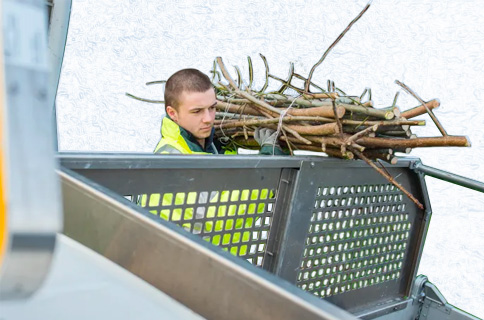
(138, 236)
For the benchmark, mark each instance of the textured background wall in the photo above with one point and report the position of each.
(437, 48)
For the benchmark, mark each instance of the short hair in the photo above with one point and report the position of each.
(185, 80)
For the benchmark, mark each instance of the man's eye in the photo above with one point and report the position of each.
(212, 108)
(196, 111)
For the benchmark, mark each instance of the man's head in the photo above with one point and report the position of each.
(190, 102)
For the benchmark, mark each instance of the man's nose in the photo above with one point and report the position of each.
(207, 116)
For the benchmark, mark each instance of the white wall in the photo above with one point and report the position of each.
(436, 48)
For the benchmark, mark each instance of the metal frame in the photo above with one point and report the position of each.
(31, 189)
(59, 16)
(206, 279)
(449, 177)
(300, 178)
(436, 307)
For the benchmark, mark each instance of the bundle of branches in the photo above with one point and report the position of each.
(328, 121)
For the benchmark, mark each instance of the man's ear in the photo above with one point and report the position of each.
(172, 113)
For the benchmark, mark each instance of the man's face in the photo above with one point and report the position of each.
(196, 113)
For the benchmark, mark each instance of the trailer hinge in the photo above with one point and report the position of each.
(433, 302)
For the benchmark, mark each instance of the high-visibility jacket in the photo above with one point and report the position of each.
(177, 140)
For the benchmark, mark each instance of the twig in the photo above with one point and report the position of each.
(327, 95)
(328, 150)
(335, 142)
(297, 135)
(448, 141)
(338, 122)
(377, 154)
(155, 82)
(254, 122)
(215, 72)
(251, 72)
(261, 104)
(363, 94)
(289, 79)
(326, 129)
(239, 77)
(431, 114)
(360, 134)
(385, 123)
(144, 100)
(266, 83)
(300, 77)
(286, 84)
(287, 142)
(419, 110)
(395, 99)
(380, 113)
(388, 177)
(306, 88)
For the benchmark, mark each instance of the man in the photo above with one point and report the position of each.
(187, 127)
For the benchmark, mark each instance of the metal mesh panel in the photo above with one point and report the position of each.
(352, 238)
(357, 238)
(230, 208)
(336, 229)
(237, 220)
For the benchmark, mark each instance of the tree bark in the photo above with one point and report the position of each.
(419, 110)
(448, 141)
(319, 130)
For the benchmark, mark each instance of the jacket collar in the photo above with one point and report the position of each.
(172, 130)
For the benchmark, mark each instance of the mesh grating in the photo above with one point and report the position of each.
(239, 221)
(358, 237)
(335, 229)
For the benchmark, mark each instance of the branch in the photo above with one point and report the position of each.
(308, 81)
(388, 177)
(360, 134)
(289, 79)
(251, 72)
(385, 123)
(257, 102)
(155, 82)
(266, 83)
(447, 141)
(254, 122)
(319, 130)
(379, 113)
(431, 114)
(419, 110)
(144, 100)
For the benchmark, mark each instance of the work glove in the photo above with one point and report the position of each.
(266, 137)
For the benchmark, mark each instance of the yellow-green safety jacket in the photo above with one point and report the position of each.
(177, 140)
